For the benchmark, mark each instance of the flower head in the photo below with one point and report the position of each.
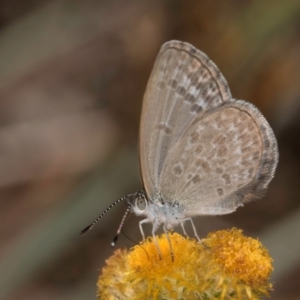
(227, 265)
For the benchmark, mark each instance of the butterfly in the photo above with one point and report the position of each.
(201, 151)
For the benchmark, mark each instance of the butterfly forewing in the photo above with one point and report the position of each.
(183, 85)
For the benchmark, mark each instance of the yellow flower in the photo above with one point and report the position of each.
(228, 266)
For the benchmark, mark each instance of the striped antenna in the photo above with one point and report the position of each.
(110, 207)
(113, 243)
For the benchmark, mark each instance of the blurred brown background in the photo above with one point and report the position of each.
(72, 78)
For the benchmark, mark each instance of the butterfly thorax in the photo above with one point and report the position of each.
(158, 211)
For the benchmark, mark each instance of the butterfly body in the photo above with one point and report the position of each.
(158, 211)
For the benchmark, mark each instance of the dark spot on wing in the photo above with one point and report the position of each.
(190, 98)
(181, 90)
(227, 178)
(220, 191)
(196, 179)
(173, 83)
(196, 108)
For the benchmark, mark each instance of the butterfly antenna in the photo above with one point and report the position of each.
(113, 243)
(110, 207)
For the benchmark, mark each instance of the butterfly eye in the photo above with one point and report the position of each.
(141, 204)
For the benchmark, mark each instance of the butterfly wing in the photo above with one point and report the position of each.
(225, 158)
(183, 84)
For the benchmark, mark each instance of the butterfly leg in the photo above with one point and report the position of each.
(169, 241)
(154, 229)
(193, 226)
(141, 227)
(183, 229)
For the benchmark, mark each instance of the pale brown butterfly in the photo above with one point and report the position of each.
(201, 151)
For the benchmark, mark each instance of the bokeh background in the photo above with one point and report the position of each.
(72, 78)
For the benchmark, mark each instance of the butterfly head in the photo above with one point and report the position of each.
(138, 203)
